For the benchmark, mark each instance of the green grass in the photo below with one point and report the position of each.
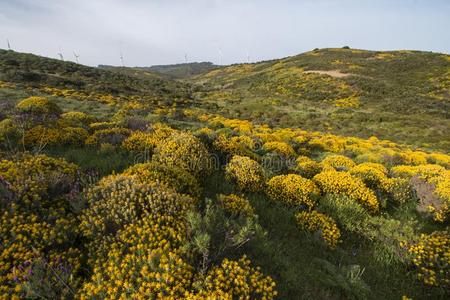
(90, 159)
(404, 95)
(290, 256)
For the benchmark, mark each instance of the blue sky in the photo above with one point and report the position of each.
(150, 32)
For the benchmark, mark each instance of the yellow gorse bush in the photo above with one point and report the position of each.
(313, 221)
(36, 219)
(338, 162)
(241, 280)
(140, 141)
(442, 190)
(186, 152)
(173, 177)
(293, 189)
(76, 119)
(413, 157)
(425, 172)
(43, 136)
(307, 167)
(143, 263)
(235, 145)
(25, 237)
(38, 105)
(431, 256)
(113, 136)
(247, 173)
(118, 200)
(148, 140)
(280, 148)
(32, 178)
(374, 175)
(236, 205)
(334, 182)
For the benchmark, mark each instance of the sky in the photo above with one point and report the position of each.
(151, 32)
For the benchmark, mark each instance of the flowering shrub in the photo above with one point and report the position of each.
(314, 221)
(38, 180)
(442, 191)
(140, 141)
(25, 238)
(293, 189)
(118, 200)
(102, 125)
(400, 190)
(329, 143)
(307, 167)
(334, 182)
(280, 148)
(431, 256)
(113, 136)
(147, 141)
(173, 177)
(236, 205)
(241, 280)
(42, 136)
(35, 219)
(374, 175)
(338, 162)
(38, 106)
(143, 263)
(235, 145)
(426, 172)
(9, 133)
(206, 135)
(439, 159)
(413, 157)
(247, 173)
(186, 152)
(438, 177)
(76, 119)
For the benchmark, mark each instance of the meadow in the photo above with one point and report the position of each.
(271, 180)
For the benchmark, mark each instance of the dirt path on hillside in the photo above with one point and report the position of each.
(333, 73)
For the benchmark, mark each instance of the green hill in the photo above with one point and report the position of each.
(39, 72)
(121, 183)
(176, 71)
(398, 95)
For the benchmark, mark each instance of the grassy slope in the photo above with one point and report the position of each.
(176, 71)
(286, 254)
(289, 255)
(33, 70)
(402, 95)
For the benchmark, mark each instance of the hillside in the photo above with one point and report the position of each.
(251, 181)
(175, 71)
(399, 95)
(184, 70)
(59, 77)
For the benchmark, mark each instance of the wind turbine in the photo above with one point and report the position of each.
(60, 54)
(248, 56)
(9, 45)
(186, 58)
(121, 59)
(220, 55)
(76, 56)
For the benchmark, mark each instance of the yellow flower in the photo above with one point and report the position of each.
(314, 221)
(246, 172)
(293, 189)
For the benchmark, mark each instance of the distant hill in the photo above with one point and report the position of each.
(184, 70)
(398, 95)
(37, 71)
(402, 96)
(176, 71)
